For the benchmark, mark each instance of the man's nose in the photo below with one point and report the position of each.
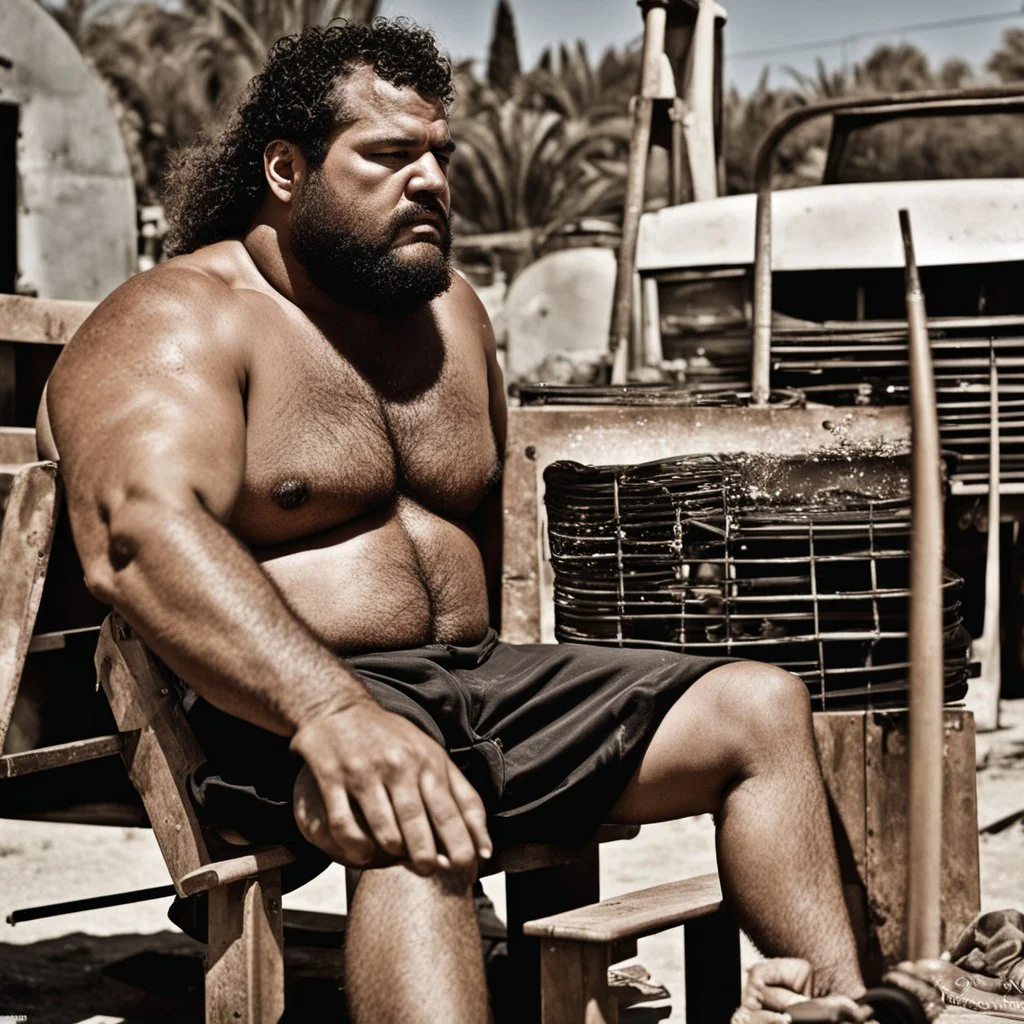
(427, 176)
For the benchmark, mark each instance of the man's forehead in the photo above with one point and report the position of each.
(372, 102)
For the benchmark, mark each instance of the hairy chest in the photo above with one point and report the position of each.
(326, 446)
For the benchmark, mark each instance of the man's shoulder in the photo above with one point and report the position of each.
(464, 306)
(194, 296)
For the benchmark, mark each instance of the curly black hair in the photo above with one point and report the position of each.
(213, 188)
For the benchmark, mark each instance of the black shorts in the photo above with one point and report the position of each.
(548, 734)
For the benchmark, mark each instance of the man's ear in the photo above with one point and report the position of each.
(283, 165)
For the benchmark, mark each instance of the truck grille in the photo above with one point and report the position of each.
(864, 365)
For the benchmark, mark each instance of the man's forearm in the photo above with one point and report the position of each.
(203, 605)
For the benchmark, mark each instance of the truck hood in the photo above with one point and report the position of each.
(844, 227)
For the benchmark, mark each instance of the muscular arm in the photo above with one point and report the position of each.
(486, 522)
(147, 411)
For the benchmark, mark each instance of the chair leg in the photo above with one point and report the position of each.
(245, 958)
(574, 984)
(712, 968)
(539, 893)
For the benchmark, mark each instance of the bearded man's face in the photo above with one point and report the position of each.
(371, 226)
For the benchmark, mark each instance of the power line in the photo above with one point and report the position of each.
(854, 37)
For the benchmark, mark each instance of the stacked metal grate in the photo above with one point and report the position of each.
(866, 364)
(800, 562)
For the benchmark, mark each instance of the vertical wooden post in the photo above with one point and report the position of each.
(983, 694)
(926, 648)
(540, 893)
(245, 958)
(575, 984)
(655, 21)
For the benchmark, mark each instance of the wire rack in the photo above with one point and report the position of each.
(803, 563)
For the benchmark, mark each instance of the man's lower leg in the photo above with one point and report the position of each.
(413, 953)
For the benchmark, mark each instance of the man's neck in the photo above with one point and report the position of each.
(267, 244)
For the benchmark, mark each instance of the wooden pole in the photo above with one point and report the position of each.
(926, 648)
(655, 20)
(761, 355)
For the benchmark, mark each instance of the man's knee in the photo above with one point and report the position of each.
(763, 703)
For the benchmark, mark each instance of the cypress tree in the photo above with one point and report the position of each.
(503, 57)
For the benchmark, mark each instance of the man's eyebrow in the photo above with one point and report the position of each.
(406, 142)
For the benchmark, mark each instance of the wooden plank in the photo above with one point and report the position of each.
(235, 869)
(574, 984)
(887, 779)
(245, 959)
(29, 522)
(17, 446)
(839, 736)
(634, 914)
(43, 321)
(605, 435)
(713, 974)
(58, 756)
(162, 752)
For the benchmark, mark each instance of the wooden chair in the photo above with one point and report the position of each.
(244, 972)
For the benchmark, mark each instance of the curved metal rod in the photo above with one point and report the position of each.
(924, 803)
(992, 99)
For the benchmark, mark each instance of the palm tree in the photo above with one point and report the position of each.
(570, 85)
(520, 168)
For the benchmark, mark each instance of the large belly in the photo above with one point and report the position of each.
(385, 583)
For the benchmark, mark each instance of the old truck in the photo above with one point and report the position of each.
(803, 289)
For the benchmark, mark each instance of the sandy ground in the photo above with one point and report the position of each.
(129, 964)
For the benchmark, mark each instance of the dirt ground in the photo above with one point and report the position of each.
(129, 964)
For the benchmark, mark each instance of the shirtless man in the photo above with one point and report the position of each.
(279, 451)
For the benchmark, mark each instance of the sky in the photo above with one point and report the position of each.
(464, 27)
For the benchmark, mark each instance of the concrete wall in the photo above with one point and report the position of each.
(76, 204)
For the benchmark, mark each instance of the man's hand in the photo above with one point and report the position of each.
(775, 987)
(781, 990)
(378, 790)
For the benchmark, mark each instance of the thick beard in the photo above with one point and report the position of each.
(360, 272)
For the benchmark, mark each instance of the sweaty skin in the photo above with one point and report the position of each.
(260, 480)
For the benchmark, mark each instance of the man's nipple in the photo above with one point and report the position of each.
(291, 493)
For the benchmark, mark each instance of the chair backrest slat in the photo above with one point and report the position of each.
(24, 556)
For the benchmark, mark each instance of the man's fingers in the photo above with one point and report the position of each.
(407, 802)
(380, 819)
(446, 817)
(472, 810)
(355, 846)
(775, 984)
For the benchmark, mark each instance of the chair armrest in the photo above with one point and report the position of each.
(635, 914)
(235, 869)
